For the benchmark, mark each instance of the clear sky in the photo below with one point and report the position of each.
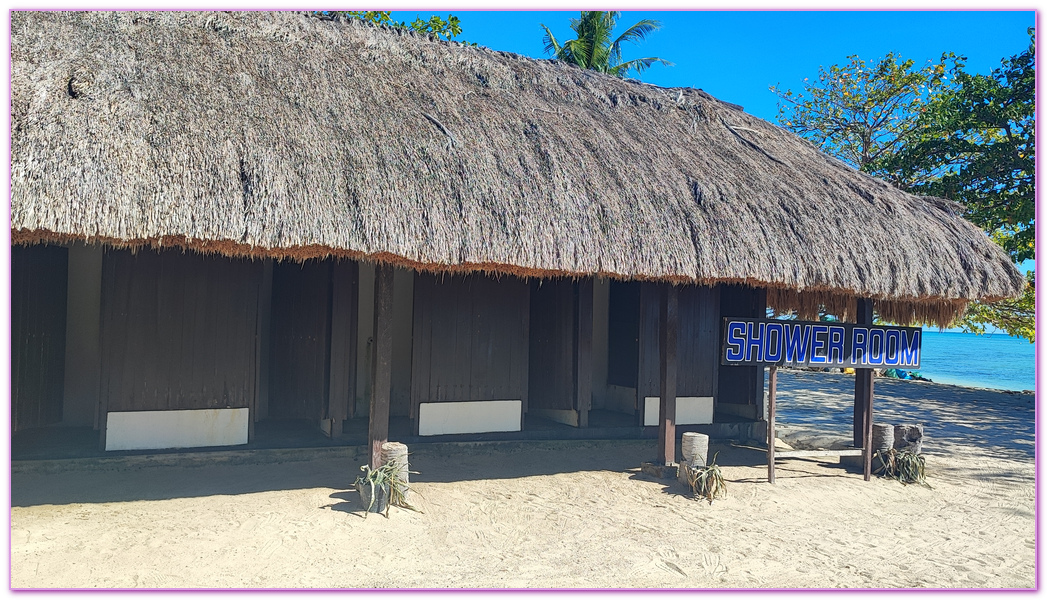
(737, 55)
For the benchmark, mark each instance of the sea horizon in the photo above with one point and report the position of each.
(990, 360)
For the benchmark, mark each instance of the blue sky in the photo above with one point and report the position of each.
(737, 55)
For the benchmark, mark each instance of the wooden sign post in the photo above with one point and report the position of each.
(863, 346)
(772, 386)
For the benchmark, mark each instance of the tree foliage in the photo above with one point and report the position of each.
(1016, 317)
(940, 131)
(977, 145)
(445, 29)
(863, 113)
(594, 48)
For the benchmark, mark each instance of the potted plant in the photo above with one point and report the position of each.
(379, 488)
(904, 465)
(707, 482)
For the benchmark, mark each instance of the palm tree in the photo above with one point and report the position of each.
(593, 48)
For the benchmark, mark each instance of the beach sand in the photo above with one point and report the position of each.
(555, 514)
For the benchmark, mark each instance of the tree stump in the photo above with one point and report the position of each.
(882, 438)
(908, 437)
(395, 452)
(695, 449)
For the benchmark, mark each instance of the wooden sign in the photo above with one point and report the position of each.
(819, 344)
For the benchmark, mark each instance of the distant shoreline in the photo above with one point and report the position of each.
(914, 381)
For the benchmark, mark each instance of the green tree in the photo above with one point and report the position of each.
(865, 113)
(977, 145)
(594, 49)
(445, 29)
(938, 131)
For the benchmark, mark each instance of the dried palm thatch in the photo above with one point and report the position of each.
(280, 135)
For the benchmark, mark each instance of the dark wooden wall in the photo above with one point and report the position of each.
(623, 333)
(551, 378)
(470, 339)
(740, 385)
(299, 342)
(39, 278)
(697, 341)
(178, 331)
(345, 277)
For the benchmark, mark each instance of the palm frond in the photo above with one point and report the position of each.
(578, 52)
(551, 45)
(635, 34)
(639, 64)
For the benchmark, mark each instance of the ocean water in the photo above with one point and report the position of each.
(995, 361)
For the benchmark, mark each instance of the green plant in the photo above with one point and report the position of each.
(444, 29)
(594, 49)
(707, 482)
(904, 465)
(390, 476)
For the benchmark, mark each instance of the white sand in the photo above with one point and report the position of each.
(539, 514)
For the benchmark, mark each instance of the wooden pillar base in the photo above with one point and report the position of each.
(772, 387)
(668, 326)
(381, 380)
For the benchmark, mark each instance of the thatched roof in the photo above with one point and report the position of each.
(277, 134)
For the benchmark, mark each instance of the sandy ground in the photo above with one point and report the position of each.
(551, 514)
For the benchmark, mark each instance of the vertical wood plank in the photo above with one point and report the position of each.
(521, 365)
(647, 379)
(442, 357)
(264, 326)
(772, 388)
(668, 325)
(342, 343)
(381, 380)
(105, 345)
(422, 345)
(688, 348)
(463, 320)
(710, 332)
(478, 384)
(19, 332)
(354, 335)
(583, 370)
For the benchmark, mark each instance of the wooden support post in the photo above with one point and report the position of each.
(858, 434)
(868, 425)
(381, 364)
(668, 324)
(583, 363)
(772, 389)
(862, 378)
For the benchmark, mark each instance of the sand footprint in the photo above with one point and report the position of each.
(667, 559)
(712, 565)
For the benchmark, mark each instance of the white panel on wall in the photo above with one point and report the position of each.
(690, 410)
(438, 418)
(158, 429)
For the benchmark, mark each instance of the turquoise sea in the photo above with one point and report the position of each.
(995, 360)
